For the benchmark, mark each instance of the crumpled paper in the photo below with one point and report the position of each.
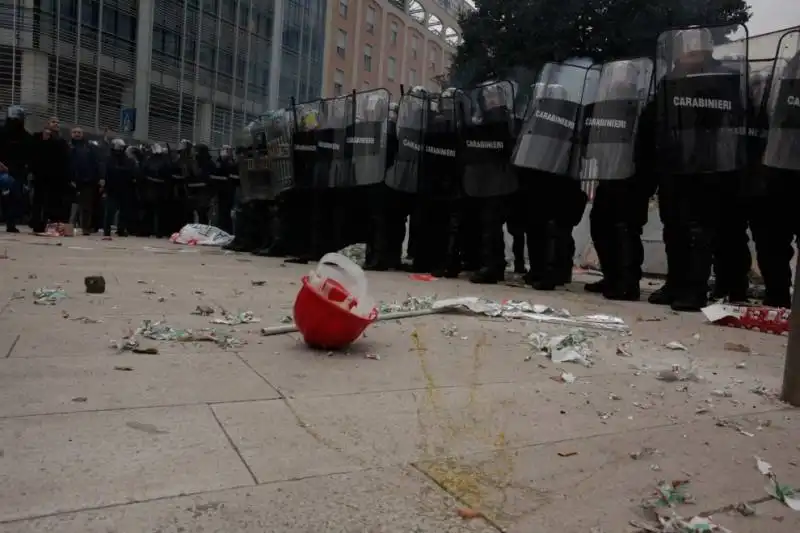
(527, 311)
(245, 317)
(161, 331)
(782, 493)
(570, 348)
(45, 296)
(411, 303)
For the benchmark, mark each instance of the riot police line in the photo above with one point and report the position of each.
(448, 171)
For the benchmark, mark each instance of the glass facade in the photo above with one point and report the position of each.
(209, 65)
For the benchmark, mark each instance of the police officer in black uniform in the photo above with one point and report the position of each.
(782, 176)
(15, 159)
(701, 110)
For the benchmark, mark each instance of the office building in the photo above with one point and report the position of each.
(386, 43)
(160, 70)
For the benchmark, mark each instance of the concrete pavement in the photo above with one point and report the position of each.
(271, 436)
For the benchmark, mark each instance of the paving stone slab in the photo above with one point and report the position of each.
(276, 445)
(41, 385)
(58, 463)
(385, 501)
(575, 485)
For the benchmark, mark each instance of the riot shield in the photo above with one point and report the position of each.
(488, 139)
(304, 143)
(404, 174)
(783, 140)
(547, 140)
(702, 101)
(278, 130)
(254, 175)
(611, 118)
(333, 159)
(441, 171)
(366, 135)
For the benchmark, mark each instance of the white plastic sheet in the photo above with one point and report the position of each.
(201, 235)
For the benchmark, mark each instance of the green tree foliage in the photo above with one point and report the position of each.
(505, 34)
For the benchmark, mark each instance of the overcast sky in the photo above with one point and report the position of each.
(771, 15)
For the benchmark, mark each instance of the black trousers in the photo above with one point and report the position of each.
(48, 204)
(691, 208)
(119, 200)
(618, 216)
(775, 228)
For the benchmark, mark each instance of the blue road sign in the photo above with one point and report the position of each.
(127, 120)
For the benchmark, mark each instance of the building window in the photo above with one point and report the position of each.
(432, 58)
(343, 8)
(412, 77)
(395, 29)
(338, 82)
(341, 43)
(391, 68)
(368, 58)
(370, 19)
(414, 46)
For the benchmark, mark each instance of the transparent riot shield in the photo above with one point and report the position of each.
(404, 174)
(304, 143)
(487, 139)
(702, 100)
(333, 159)
(547, 139)
(278, 129)
(611, 119)
(254, 178)
(783, 140)
(366, 135)
(441, 169)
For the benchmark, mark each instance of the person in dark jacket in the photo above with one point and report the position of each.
(87, 176)
(51, 177)
(119, 189)
(15, 156)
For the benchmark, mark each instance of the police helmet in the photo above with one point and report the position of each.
(418, 90)
(692, 40)
(15, 112)
(118, 145)
(225, 151)
(555, 91)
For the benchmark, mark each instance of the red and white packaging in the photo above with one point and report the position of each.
(758, 318)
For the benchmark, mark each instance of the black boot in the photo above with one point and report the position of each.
(552, 272)
(623, 284)
(693, 295)
(243, 238)
(676, 265)
(602, 244)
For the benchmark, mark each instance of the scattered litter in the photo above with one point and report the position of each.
(763, 319)
(650, 319)
(451, 330)
(373, 356)
(32, 276)
(147, 428)
(46, 296)
(141, 282)
(766, 392)
(678, 373)
(624, 350)
(287, 319)
(411, 303)
(614, 397)
(145, 351)
(86, 320)
(95, 284)
(719, 393)
(696, 336)
(149, 291)
(669, 494)
(80, 399)
(727, 423)
(675, 345)
(782, 493)
(655, 468)
(741, 365)
(161, 331)
(203, 310)
(468, 514)
(745, 509)
(201, 235)
(570, 348)
(565, 377)
(677, 524)
(422, 277)
(567, 454)
(644, 452)
(736, 347)
(257, 283)
(245, 317)
(124, 368)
